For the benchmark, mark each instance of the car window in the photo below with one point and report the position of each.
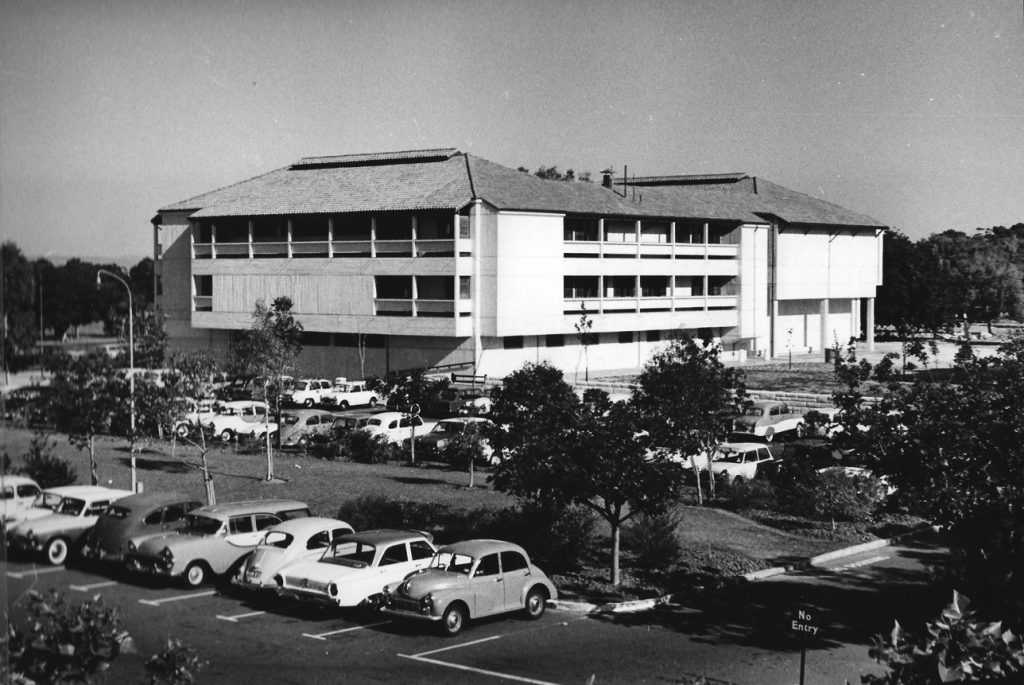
(338, 532)
(421, 549)
(197, 524)
(290, 514)
(266, 521)
(275, 538)
(313, 421)
(319, 540)
(8, 492)
(152, 519)
(348, 553)
(512, 561)
(395, 554)
(488, 566)
(753, 411)
(97, 508)
(404, 423)
(27, 491)
(71, 506)
(176, 512)
(240, 524)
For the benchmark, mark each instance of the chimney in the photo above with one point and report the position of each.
(606, 178)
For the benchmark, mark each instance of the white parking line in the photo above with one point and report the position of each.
(481, 671)
(323, 636)
(858, 564)
(86, 588)
(234, 619)
(176, 598)
(34, 572)
(459, 646)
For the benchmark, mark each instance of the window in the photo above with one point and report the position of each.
(266, 521)
(435, 288)
(653, 336)
(576, 228)
(618, 231)
(153, 519)
(240, 524)
(368, 340)
(654, 286)
(513, 561)
(393, 287)
(394, 226)
(720, 233)
(625, 336)
(177, 512)
(488, 566)
(689, 286)
(464, 288)
(654, 231)
(421, 550)
(689, 232)
(395, 554)
(270, 229)
(315, 339)
(319, 541)
(204, 286)
(555, 341)
(203, 232)
(294, 514)
(27, 491)
(512, 342)
(619, 286)
(309, 228)
(232, 230)
(579, 286)
(464, 227)
(434, 226)
(721, 285)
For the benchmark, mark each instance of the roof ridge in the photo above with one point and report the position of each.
(184, 203)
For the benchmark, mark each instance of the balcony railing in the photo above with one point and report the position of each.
(313, 248)
(278, 249)
(231, 250)
(393, 248)
(202, 250)
(435, 307)
(202, 303)
(435, 248)
(351, 248)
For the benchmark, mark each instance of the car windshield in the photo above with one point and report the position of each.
(374, 422)
(116, 512)
(349, 553)
(197, 524)
(47, 500)
(71, 506)
(450, 561)
(732, 457)
(753, 411)
(289, 419)
(276, 538)
(449, 427)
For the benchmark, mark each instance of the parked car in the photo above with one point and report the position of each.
(287, 543)
(239, 388)
(309, 391)
(351, 394)
(213, 541)
(45, 503)
(395, 426)
(469, 580)
(433, 443)
(340, 427)
(55, 535)
(197, 413)
(248, 418)
(302, 424)
(448, 402)
(735, 462)
(355, 568)
(16, 495)
(476, 404)
(135, 518)
(768, 418)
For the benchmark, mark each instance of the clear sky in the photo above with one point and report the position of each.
(911, 112)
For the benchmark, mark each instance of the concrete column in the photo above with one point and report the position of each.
(869, 325)
(773, 334)
(825, 343)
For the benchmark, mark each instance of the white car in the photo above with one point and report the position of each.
(310, 391)
(242, 418)
(16, 495)
(736, 462)
(395, 426)
(355, 568)
(197, 413)
(55, 535)
(45, 503)
(300, 425)
(351, 394)
(288, 543)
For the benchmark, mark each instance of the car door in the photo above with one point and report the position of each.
(488, 586)
(173, 516)
(516, 572)
(242, 531)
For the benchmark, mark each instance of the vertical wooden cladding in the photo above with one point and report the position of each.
(337, 294)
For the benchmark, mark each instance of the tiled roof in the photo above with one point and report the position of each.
(444, 178)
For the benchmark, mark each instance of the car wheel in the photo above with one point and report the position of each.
(308, 403)
(57, 551)
(769, 434)
(182, 430)
(453, 620)
(373, 402)
(801, 430)
(343, 404)
(738, 480)
(303, 442)
(195, 574)
(536, 601)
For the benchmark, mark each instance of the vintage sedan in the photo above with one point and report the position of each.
(299, 426)
(768, 418)
(469, 580)
(735, 462)
(213, 542)
(17, 494)
(248, 418)
(433, 443)
(56, 534)
(287, 543)
(135, 518)
(45, 503)
(355, 568)
(395, 426)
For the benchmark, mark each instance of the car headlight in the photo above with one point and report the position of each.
(332, 589)
(427, 603)
(167, 555)
(30, 536)
(441, 444)
(132, 549)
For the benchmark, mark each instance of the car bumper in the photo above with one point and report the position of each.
(99, 554)
(150, 565)
(311, 596)
(21, 543)
(402, 607)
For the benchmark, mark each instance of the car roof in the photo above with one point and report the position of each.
(148, 500)
(75, 489)
(742, 446)
(478, 548)
(252, 506)
(310, 523)
(388, 415)
(306, 413)
(382, 536)
(17, 480)
(465, 419)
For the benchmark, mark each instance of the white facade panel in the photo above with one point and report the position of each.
(820, 263)
(528, 272)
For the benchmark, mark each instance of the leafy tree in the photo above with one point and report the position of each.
(17, 306)
(466, 449)
(558, 454)
(188, 378)
(268, 349)
(150, 340)
(176, 664)
(952, 451)
(86, 394)
(140, 278)
(683, 392)
(43, 466)
(586, 338)
(406, 388)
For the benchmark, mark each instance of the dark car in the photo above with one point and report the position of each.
(449, 401)
(135, 517)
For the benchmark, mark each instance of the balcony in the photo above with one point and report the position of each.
(202, 303)
(351, 248)
(419, 307)
(311, 249)
(435, 248)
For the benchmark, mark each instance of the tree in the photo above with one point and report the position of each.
(406, 388)
(586, 338)
(140, 278)
(267, 349)
(952, 451)
(556, 452)
(17, 306)
(683, 392)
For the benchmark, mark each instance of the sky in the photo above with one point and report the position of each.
(911, 112)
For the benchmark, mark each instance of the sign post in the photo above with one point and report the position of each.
(414, 411)
(805, 624)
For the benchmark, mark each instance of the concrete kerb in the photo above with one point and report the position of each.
(609, 607)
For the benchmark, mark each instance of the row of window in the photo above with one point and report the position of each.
(586, 229)
(517, 342)
(577, 287)
(386, 287)
(346, 227)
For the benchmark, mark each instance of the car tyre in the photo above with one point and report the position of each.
(343, 405)
(801, 430)
(227, 436)
(536, 602)
(308, 403)
(57, 551)
(182, 430)
(373, 402)
(769, 434)
(453, 620)
(196, 574)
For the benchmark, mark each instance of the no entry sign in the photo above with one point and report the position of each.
(804, 623)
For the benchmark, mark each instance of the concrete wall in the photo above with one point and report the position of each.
(825, 263)
(803, 317)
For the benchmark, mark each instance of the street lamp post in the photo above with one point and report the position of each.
(131, 365)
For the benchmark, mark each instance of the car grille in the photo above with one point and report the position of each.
(400, 604)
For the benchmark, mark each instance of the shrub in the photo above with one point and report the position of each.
(333, 449)
(557, 539)
(840, 497)
(379, 511)
(175, 665)
(368, 448)
(957, 647)
(796, 487)
(750, 494)
(44, 467)
(459, 449)
(654, 540)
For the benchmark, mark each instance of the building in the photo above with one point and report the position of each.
(429, 258)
